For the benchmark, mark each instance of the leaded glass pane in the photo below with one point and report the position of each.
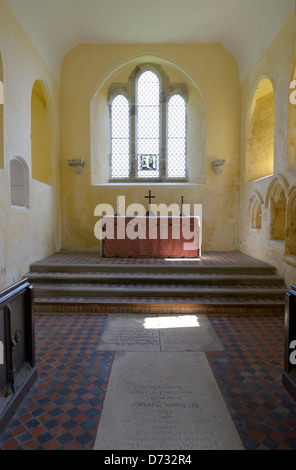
(148, 89)
(176, 161)
(148, 122)
(120, 138)
(148, 125)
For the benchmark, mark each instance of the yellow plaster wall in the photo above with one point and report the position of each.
(275, 64)
(26, 234)
(30, 234)
(1, 114)
(85, 69)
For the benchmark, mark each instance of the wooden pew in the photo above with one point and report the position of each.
(289, 374)
(18, 370)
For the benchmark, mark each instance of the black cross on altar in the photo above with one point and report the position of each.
(182, 201)
(149, 197)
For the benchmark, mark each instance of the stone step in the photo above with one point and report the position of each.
(159, 278)
(173, 267)
(227, 281)
(168, 301)
(142, 290)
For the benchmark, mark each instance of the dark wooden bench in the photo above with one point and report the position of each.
(289, 374)
(18, 370)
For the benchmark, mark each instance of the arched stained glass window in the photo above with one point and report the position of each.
(120, 137)
(148, 125)
(176, 145)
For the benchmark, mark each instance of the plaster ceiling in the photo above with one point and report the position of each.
(244, 27)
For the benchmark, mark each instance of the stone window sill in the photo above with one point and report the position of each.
(290, 259)
(277, 244)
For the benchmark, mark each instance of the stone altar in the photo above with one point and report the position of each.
(151, 236)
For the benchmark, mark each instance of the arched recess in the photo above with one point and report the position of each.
(121, 80)
(290, 247)
(259, 160)
(19, 182)
(1, 115)
(277, 202)
(255, 211)
(292, 117)
(41, 135)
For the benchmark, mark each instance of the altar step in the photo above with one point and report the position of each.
(130, 278)
(154, 290)
(119, 285)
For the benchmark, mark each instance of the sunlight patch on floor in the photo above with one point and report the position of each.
(182, 259)
(181, 321)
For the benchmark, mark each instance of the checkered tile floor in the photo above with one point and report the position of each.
(62, 410)
(249, 373)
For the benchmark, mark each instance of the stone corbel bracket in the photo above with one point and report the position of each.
(218, 166)
(77, 165)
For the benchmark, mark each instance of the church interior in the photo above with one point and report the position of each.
(232, 65)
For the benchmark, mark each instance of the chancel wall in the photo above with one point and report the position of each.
(213, 114)
(274, 241)
(44, 124)
(29, 207)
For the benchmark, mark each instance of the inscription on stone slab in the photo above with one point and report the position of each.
(164, 400)
(159, 333)
(128, 334)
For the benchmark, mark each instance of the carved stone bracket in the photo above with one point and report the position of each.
(77, 164)
(218, 166)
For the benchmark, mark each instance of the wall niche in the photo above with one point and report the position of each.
(259, 160)
(19, 183)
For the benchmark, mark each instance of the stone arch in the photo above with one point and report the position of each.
(277, 203)
(1, 115)
(279, 179)
(255, 210)
(132, 64)
(291, 148)
(19, 182)
(290, 246)
(41, 134)
(259, 159)
(120, 80)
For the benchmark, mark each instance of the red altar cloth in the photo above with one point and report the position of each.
(161, 237)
